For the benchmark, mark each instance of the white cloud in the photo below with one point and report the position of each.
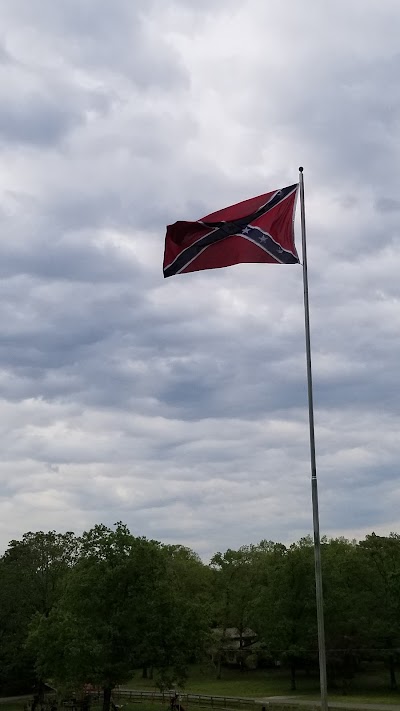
(179, 406)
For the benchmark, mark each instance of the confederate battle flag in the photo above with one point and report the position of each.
(256, 230)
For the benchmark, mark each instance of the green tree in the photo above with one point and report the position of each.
(381, 557)
(123, 607)
(285, 608)
(345, 611)
(234, 586)
(32, 574)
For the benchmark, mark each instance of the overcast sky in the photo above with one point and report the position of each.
(179, 406)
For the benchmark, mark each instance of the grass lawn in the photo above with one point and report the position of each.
(161, 707)
(392, 699)
(252, 684)
(371, 685)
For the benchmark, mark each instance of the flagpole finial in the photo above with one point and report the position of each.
(301, 169)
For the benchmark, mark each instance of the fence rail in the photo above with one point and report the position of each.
(219, 703)
(226, 702)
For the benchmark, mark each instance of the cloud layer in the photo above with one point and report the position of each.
(180, 406)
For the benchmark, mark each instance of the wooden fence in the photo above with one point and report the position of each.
(219, 703)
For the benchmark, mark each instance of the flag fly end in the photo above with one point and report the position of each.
(259, 229)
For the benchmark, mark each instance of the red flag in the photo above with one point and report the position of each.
(255, 230)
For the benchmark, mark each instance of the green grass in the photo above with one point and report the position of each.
(157, 706)
(250, 684)
(371, 698)
(371, 685)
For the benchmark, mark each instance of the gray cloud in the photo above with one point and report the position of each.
(179, 406)
(108, 40)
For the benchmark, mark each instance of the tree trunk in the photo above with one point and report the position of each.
(392, 671)
(41, 691)
(106, 698)
(219, 667)
(293, 676)
(151, 672)
(144, 672)
(332, 676)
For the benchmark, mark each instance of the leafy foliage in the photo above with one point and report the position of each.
(92, 609)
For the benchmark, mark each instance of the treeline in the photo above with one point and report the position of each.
(91, 609)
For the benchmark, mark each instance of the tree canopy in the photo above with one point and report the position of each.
(94, 608)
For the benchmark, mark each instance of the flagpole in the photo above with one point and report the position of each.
(314, 486)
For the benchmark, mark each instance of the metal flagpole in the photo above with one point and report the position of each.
(314, 486)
